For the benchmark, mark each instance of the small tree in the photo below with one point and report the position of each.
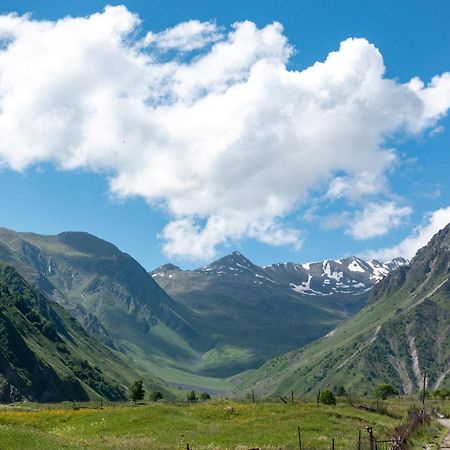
(327, 398)
(155, 396)
(383, 391)
(136, 391)
(205, 396)
(192, 397)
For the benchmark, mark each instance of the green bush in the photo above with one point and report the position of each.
(155, 396)
(442, 393)
(204, 396)
(327, 397)
(384, 391)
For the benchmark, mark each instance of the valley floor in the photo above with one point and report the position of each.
(209, 425)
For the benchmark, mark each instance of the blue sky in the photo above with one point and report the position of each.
(412, 38)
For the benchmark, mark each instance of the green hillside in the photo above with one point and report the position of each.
(112, 296)
(45, 355)
(402, 333)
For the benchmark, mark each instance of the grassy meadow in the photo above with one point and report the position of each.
(208, 425)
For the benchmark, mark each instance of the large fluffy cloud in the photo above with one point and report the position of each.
(228, 141)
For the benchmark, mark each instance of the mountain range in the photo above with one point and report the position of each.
(79, 319)
(191, 328)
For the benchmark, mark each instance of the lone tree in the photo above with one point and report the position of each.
(136, 391)
(192, 397)
(155, 396)
(327, 397)
(384, 391)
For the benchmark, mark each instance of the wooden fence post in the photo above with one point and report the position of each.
(292, 397)
(299, 438)
(370, 431)
(359, 440)
(423, 390)
(332, 444)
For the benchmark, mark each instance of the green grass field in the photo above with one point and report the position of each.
(209, 425)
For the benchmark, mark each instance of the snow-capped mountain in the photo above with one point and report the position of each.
(343, 277)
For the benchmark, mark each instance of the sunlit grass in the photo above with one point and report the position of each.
(209, 425)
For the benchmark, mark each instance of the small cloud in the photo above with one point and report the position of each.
(360, 185)
(436, 130)
(335, 221)
(377, 219)
(420, 236)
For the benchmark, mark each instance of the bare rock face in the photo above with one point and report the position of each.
(10, 394)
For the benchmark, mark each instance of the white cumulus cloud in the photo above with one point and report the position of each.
(432, 223)
(376, 219)
(228, 142)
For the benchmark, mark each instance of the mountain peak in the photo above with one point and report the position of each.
(170, 267)
(231, 260)
(165, 269)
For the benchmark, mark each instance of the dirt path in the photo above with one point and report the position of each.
(446, 443)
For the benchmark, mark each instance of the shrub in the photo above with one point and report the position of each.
(204, 396)
(441, 393)
(327, 398)
(384, 391)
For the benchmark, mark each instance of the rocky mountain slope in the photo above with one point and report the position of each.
(45, 355)
(402, 333)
